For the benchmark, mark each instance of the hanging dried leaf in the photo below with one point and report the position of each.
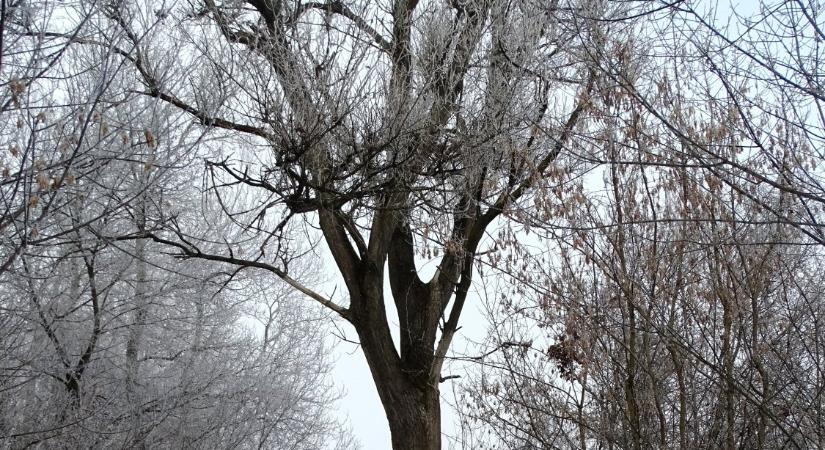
(150, 138)
(43, 181)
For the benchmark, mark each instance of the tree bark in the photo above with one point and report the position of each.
(414, 415)
(405, 377)
(407, 390)
(410, 403)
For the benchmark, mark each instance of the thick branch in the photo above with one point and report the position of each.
(75, 375)
(475, 231)
(192, 252)
(417, 311)
(404, 279)
(206, 119)
(347, 260)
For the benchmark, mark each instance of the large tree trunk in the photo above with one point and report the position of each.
(410, 398)
(406, 377)
(414, 415)
(406, 382)
(412, 407)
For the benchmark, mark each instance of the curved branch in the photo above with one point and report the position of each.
(189, 251)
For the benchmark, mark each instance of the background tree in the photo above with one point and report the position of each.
(702, 337)
(111, 342)
(683, 309)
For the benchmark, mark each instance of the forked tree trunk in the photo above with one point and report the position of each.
(411, 403)
(407, 387)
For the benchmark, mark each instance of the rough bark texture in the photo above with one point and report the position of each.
(413, 410)
(405, 384)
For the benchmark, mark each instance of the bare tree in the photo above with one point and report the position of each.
(683, 309)
(647, 336)
(109, 341)
(398, 129)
